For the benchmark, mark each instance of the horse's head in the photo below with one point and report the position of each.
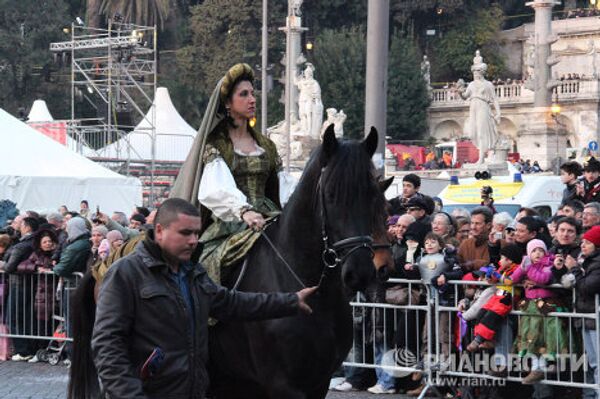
(352, 206)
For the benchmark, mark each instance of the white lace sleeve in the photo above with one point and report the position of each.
(287, 184)
(219, 193)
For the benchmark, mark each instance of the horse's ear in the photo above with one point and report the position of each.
(370, 142)
(330, 142)
(385, 184)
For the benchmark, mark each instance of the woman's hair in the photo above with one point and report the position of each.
(236, 74)
(503, 218)
(460, 222)
(37, 242)
(433, 236)
(450, 222)
(4, 241)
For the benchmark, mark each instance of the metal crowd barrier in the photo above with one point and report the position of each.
(388, 328)
(36, 306)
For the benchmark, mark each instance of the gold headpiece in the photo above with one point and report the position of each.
(241, 71)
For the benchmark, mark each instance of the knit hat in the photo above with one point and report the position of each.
(100, 229)
(392, 220)
(513, 253)
(535, 243)
(412, 178)
(114, 235)
(593, 235)
(139, 218)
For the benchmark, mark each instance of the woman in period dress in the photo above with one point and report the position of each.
(233, 172)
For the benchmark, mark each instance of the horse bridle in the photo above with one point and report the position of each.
(335, 254)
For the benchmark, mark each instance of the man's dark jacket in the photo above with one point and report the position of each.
(18, 253)
(141, 308)
(587, 286)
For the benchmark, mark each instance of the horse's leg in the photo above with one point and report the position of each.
(319, 392)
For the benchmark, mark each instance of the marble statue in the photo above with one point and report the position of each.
(338, 125)
(336, 119)
(295, 6)
(482, 97)
(310, 107)
(426, 70)
(593, 51)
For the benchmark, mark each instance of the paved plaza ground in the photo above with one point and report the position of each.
(41, 381)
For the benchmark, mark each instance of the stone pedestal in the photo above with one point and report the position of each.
(541, 139)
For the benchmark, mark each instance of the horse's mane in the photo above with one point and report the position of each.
(350, 178)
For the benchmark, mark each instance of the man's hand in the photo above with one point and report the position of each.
(570, 262)
(102, 217)
(559, 262)
(408, 267)
(302, 296)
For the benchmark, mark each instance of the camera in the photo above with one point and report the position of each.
(486, 192)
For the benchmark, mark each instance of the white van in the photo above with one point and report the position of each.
(542, 193)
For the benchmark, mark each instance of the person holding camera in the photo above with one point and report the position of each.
(486, 198)
(588, 189)
(566, 248)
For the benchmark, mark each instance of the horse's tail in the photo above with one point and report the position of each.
(83, 378)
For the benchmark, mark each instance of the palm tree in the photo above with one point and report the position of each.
(141, 12)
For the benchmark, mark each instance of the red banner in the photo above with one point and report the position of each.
(55, 130)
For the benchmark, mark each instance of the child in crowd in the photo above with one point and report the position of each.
(538, 334)
(492, 314)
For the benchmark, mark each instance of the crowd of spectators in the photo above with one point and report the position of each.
(582, 12)
(437, 247)
(55, 247)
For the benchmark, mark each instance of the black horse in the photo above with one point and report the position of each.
(324, 236)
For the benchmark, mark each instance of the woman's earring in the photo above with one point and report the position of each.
(227, 112)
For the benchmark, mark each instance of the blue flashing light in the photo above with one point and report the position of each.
(518, 178)
(454, 180)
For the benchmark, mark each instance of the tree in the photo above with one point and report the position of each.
(223, 33)
(478, 30)
(407, 92)
(340, 63)
(27, 27)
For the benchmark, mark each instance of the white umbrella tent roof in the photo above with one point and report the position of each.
(174, 136)
(40, 174)
(39, 112)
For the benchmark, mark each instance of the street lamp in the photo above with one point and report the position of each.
(555, 109)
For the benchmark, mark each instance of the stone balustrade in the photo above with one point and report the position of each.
(517, 93)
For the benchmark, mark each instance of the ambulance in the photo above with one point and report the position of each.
(510, 193)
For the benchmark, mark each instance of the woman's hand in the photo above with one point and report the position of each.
(254, 220)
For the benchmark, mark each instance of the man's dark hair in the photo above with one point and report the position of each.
(32, 214)
(529, 211)
(32, 223)
(576, 205)
(73, 214)
(572, 168)
(169, 211)
(530, 222)
(488, 216)
(569, 220)
(84, 202)
(413, 179)
(592, 165)
(138, 217)
(142, 210)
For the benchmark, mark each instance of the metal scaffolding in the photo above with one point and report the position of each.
(114, 71)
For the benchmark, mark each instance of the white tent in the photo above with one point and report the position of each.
(39, 112)
(174, 137)
(40, 174)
